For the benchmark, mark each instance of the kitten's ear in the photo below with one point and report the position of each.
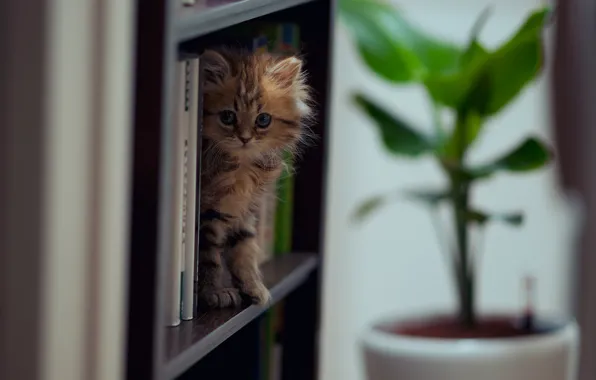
(216, 66)
(286, 72)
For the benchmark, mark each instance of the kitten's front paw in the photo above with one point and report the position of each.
(257, 293)
(220, 298)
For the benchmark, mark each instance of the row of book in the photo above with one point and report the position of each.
(275, 215)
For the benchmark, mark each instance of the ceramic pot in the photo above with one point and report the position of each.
(550, 354)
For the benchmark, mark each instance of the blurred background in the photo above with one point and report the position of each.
(392, 264)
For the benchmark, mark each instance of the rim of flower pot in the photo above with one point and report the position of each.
(377, 337)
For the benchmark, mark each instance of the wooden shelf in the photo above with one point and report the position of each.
(210, 15)
(204, 346)
(192, 340)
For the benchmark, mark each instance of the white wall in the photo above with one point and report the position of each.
(392, 263)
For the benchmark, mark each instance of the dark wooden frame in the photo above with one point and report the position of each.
(23, 94)
(575, 130)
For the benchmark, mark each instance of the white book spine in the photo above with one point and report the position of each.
(191, 194)
(177, 193)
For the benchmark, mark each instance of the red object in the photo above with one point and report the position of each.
(493, 327)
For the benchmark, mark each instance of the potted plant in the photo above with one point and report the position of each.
(475, 84)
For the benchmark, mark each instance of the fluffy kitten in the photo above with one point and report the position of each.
(255, 106)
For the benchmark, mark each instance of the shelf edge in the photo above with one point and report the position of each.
(176, 366)
(196, 25)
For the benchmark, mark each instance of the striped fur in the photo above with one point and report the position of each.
(235, 173)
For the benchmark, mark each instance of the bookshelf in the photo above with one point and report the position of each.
(194, 340)
(219, 344)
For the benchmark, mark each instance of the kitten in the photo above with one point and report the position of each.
(255, 106)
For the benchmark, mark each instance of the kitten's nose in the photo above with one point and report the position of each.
(245, 140)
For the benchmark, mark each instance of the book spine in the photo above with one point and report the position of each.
(259, 44)
(285, 209)
(184, 234)
(199, 115)
(184, 147)
(271, 209)
(261, 230)
(266, 222)
(179, 121)
(191, 107)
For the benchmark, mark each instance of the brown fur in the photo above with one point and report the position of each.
(235, 174)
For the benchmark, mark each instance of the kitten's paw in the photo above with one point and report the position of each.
(220, 298)
(257, 293)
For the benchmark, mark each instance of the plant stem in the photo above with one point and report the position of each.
(460, 189)
(466, 278)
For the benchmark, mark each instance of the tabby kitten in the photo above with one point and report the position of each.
(255, 106)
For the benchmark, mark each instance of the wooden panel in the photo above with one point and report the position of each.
(575, 115)
(236, 358)
(300, 348)
(150, 68)
(208, 16)
(23, 86)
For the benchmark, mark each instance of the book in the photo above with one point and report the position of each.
(176, 211)
(185, 168)
(198, 90)
(266, 223)
(191, 149)
(284, 209)
(184, 243)
(260, 44)
(183, 146)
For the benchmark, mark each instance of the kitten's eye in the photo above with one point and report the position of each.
(227, 117)
(263, 120)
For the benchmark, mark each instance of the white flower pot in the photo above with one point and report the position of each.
(552, 355)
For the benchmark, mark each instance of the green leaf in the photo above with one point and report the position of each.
(509, 69)
(399, 138)
(430, 197)
(368, 207)
(475, 50)
(451, 90)
(448, 90)
(530, 155)
(481, 218)
(488, 81)
(534, 23)
(391, 46)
